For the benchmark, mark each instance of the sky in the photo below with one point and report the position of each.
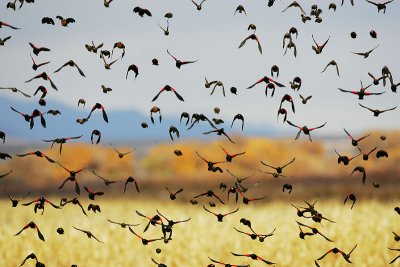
(212, 36)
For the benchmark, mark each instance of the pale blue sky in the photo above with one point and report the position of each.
(212, 36)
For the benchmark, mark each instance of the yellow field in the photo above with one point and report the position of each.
(369, 224)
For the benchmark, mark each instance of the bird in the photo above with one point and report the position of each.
(37, 50)
(305, 99)
(93, 48)
(366, 155)
(74, 201)
(36, 66)
(107, 3)
(253, 257)
(336, 251)
(166, 30)
(168, 88)
(133, 68)
(305, 130)
(119, 45)
(377, 112)
(141, 11)
(314, 230)
(88, 233)
(362, 170)
(229, 157)
(220, 131)
(381, 153)
(71, 63)
(98, 106)
(72, 178)
(120, 154)
(37, 154)
(173, 129)
(332, 6)
(15, 90)
(66, 21)
(365, 54)
(198, 6)
(158, 264)
(4, 40)
(332, 63)
(45, 77)
(144, 241)
(288, 98)
(380, 6)
(47, 20)
(361, 92)
(345, 159)
(240, 9)
(61, 141)
(5, 174)
(226, 264)
(179, 63)
(131, 180)
(295, 4)
(107, 66)
(123, 225)
(95, 208)
(200, 117)
(394, 249)
(172, 195)
(32, 225)
(354, 142)
(279, 169)
(266, 80)
(220, 216)
(351, 197)
(106, 181)
(106, 89)
(210, 193)
(238, 117)
(318, 48)
(155, 109)
(252, 37)
(93, 194)
(254, 236)
(2, 23)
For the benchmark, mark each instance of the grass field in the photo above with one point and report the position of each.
(369, 224)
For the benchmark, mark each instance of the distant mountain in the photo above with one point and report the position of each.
(124, 125)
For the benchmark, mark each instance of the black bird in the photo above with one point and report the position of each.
(94, 208)
(37, 154)
(37, 50)
(240, 9)
(71, 178)
(200, 117)
(45, 77)
(380, 6)
(253, 257)
(14, 202)
(88, 233)
(141, 11)
(60, 141)
(305, 130)
(74, 201)
(178, 62)
(351, 197)
(168, 89)
(172, 195)
(336, 251)
(71, 63)
(252, 37)
(220, 131)
(238, 117)
(225, 264)
(8, 25)
(355, 142)
(32, 225)
(377, 111)
(210, 193)
(365, 54)
(229, 157)
(15, 90)
(93, 194)
(198, 6)
(345, 159)
(220, 216)
(362, 170)
(123, 225)
(98, 106)
(131, 180)
(47, 20)
(279, 169)
(97, 133)
(106, 181)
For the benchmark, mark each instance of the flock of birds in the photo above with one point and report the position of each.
(238, 187)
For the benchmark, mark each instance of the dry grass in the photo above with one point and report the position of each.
(369, 225)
